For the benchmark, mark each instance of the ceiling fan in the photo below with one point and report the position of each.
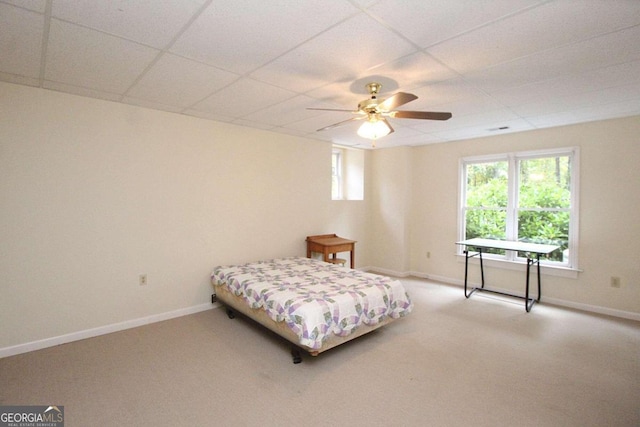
(376, 111)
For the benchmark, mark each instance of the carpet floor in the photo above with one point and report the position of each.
(452, 362)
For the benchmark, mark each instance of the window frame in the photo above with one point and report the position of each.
(512, 209)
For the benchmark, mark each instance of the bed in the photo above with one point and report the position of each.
(313, 304)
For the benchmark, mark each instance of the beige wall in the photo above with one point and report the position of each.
(609, 206)
(95, 193)
(390, 200)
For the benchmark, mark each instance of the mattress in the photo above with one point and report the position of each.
(314, 301)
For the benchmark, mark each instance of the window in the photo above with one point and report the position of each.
(529, 197)
(336, 174)
(347, 173)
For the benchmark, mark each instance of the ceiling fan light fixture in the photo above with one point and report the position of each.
(373, 129)
(375, 110)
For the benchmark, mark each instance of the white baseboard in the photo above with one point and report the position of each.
(385, 272)
(546, 300)
(107, 329)
(593, 309)
(102, 330)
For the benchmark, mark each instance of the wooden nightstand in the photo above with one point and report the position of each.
(331, 244)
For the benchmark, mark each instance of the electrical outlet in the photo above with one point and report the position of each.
(142, 279)
(615, 282)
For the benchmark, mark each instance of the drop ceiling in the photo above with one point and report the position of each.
(498, 65)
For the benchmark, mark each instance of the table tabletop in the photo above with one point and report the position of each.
(509, 245)
(332, 241)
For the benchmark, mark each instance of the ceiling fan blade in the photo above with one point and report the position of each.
(396, 100)
(344, 122)
(424, 115)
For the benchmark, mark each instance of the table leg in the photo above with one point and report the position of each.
(481, 269)
(351, 259)
(530, 301)
(539, 287)
(466, 269)
(466, 272)
(526, 292)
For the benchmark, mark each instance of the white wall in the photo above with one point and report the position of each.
(94, 193)
(609, 206)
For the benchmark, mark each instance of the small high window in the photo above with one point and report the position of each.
(347, 174)
(336, 174)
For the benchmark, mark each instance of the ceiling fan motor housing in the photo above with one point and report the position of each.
(368, 105)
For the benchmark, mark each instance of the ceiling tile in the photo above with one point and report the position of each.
(427, 22)
(576, 101)
(598, 112)
(433, 95)
(19, 80)
(35, 5)
(400, 131)
(81, 57)
(243, 97)
(555, 119)
(345, 135)
(414, 70)
(365, 3)
(319, 121)
(339, 54)
(602, 78)
(262, 64)
(242, 35)
(420, 139)
(535, 30)
(20, 41)
(289, 111)
(180, 82)
(489, 119)
(486, 129)
(475, 104)
(347, 94)
(614, 48)
(150, 22)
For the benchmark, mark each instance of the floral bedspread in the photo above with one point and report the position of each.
(315, 298)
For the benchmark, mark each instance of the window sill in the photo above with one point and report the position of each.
(550, 270)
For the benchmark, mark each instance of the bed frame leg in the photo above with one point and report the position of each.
(297, 357)
(231, 314)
